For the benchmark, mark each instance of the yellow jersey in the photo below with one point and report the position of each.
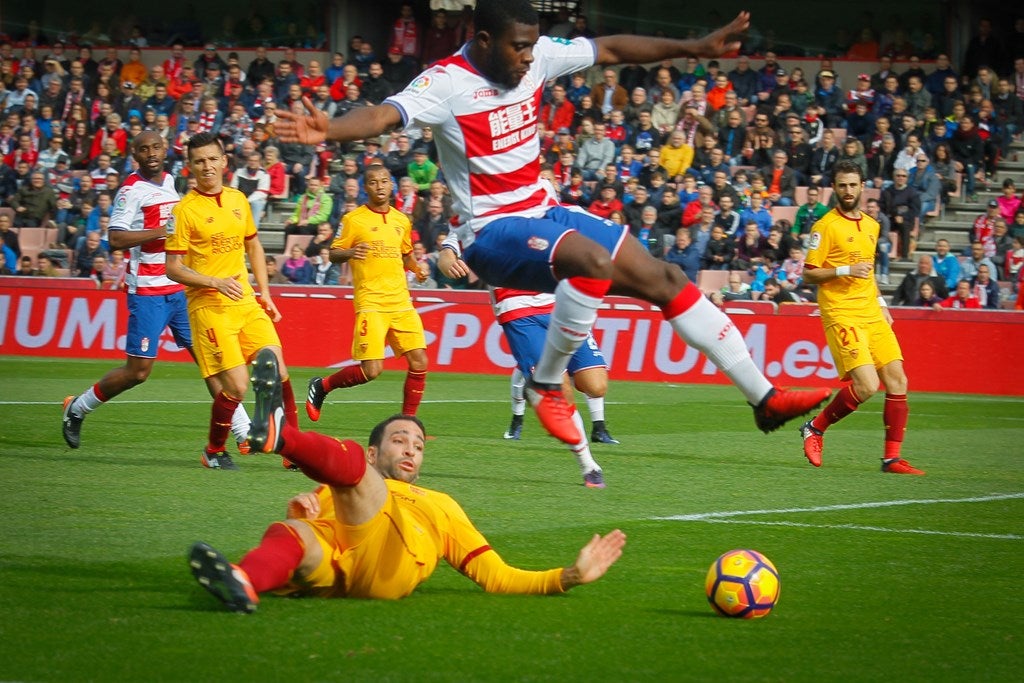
(430, 526)
(379, 279)
(838, 240)
(210, 232)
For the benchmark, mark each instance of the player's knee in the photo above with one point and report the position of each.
(583, 258)
(372, 370)
(865, 390)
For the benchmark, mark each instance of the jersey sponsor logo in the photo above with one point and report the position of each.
(538, 243)
(485, 92)
(512, 124)
(561, 41)
(815, 241)
(224, 244)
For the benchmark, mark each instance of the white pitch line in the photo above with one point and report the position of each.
(861, 527)
(702, 516)
(207, 401)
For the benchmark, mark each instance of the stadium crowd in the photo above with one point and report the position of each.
(714, 169)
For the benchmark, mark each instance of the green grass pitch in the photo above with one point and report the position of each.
(884, 577)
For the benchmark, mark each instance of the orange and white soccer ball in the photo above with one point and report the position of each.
(742, 584)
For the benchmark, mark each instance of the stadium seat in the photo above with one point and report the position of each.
(750, 307)
(712, 280)
(302, 240)
(787, 213)
(273, 199)
(34, 240)
(870, 193)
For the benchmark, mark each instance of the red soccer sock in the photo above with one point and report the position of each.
(270, 564)
(220, 421)
(349, 376)
(844, 403)
(291, 414)
(412, 393)
(684, 301)
(894, 415)
(323, 458)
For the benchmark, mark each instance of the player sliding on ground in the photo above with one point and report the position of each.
(482, 105)
(369, 532)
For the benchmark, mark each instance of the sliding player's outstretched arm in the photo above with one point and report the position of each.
(313, 127)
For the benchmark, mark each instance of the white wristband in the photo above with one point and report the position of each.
(882, 303)
(842, 271)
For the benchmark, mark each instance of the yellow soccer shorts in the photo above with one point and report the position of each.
(401, 330)
(385, 558)
(225, 337)
(857, 342)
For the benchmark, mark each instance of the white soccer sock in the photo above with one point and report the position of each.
(86, 402)
(595, 406)
(582, 449)
(240, 424)
(707, 329)
(571, 319)
(518, 400)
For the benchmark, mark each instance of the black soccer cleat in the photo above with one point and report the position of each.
(225, 581)
(268, 418)
(71, 425)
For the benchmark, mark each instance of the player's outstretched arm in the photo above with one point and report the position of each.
(594, 559)
(629, 49)
(314, 127)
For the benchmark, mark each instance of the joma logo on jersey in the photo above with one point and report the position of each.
(485, 92)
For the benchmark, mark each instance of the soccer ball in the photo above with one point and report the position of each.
(743, 584)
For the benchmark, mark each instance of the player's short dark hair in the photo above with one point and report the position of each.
(847, 166)
(373, 168)
(377, 435)
(200, 140)
(496, 16)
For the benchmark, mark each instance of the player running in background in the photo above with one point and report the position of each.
(208, 238)
(482, 105)
(377, 239)
(524, 318)
(141, 209)
(369, 532)
(858, 325)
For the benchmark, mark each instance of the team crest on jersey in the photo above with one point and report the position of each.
(850, 238)
(209, 219)
(815, 241)
(237, 213)
(538, 243)
(144, 344)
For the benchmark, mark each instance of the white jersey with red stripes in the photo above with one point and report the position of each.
(513, 304)
(486, 134)
(142, 204)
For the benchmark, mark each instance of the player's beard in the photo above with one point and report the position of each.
(852, 205)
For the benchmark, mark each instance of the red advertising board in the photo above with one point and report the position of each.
(951, 351)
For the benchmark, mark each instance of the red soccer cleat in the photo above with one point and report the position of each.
(553, 411)
(813, 442)
(900, 466)
(782, 405)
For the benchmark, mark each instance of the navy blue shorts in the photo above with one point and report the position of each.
(147, 318)
(526, 342)
(516, 252)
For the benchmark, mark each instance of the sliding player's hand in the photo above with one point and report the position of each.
(304, 506)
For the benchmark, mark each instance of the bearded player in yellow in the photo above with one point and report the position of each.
(377, 239)
(858, 325)
(370, 532)
(210, 234)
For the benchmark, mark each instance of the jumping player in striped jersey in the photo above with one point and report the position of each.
(138, 222)
(482, 104)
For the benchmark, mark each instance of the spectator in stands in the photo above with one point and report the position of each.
(830, 101)
(963, 297)
(1008, 202)
(902, 204)
(313, 208)
(608, 94)
(823, 158)
(757, 214)
(969, 267)
(34, 204)
(406, 34)
(595, 154)
(9, 239)
(324, 272)
(438, 40)
(926, 182)
(926, 297)
(685, 254)
(774, 292)
(4, 269)
(808, 214)
(907, 292)
(399, 70)
(780, 179)
(984, 288)
(89, 249)
(323, 238)
(297, 268)
(274, 275)
(26, 267)
(720, 250)
(750, 248)
(422, 170)
(254, 183)
(736, 289)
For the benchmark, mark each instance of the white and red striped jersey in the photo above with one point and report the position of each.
(513, 304)
(486, 134)
(144, 205)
